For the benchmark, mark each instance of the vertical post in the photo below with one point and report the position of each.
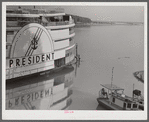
(132, 92)
(112, 76)
(76, 49)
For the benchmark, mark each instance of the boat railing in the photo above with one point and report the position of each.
(19, 23)
(59, 23)
(123, 98)
(22, 23)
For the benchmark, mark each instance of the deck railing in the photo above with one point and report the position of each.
(22, 23)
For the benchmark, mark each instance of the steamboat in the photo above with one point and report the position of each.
(37, 40)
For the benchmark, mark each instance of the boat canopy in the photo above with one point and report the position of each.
(111, 87)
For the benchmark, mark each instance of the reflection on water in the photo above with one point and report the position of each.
(101, 48)
(47, 92)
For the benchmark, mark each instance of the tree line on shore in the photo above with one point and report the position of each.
(78, 19)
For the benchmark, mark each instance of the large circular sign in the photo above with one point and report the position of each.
(32, 39)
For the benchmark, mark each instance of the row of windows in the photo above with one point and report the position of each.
(50, 19)
(129, 105)
(22, 18)
(58, 18)
(13, 22)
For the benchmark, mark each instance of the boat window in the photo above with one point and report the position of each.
(9, 32)
(134, 105)
(8, 47)
(59, 62)
(56, 19)
(11, 18)
(51, 19)
(67, 55)
(124, 105)
(140, 102)
(66, 18)
(129, 105)
(141, 107)
(113, 99)
(10, 11)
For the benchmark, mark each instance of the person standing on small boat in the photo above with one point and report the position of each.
(103, 92)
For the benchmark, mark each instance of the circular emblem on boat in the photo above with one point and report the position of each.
(32, 39)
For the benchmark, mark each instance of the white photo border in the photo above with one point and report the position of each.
(76, 114)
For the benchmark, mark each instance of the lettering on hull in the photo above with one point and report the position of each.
(25, 61)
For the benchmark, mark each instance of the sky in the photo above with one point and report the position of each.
(108, 13)
(105, 13)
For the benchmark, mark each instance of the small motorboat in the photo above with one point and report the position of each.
(113, 98)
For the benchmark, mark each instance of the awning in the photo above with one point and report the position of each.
(111, 87)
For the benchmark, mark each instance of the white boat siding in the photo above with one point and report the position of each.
(35, 68)
(117, 101)
(60, 27)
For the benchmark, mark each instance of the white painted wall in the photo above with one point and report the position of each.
(31, 69)
(10, 38)
(61, 44)
(59, 34)
(119, 102)
(59, 54)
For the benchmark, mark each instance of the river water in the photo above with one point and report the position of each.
(101, 48)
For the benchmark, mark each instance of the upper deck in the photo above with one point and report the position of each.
(19, 18)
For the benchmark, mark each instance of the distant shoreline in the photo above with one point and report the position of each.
(104, 24)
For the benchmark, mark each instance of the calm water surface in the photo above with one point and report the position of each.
(101, 48)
